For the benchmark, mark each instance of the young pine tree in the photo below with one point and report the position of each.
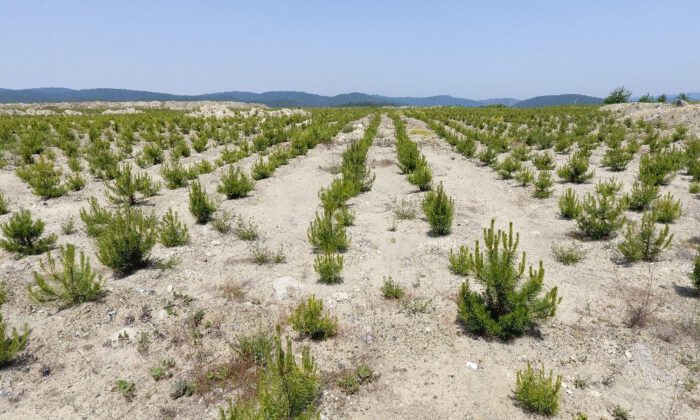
(510, 301)
(201, 206)
(172, 231)
(12, 345)
(72, 284)
(125, 243)
(235, 184)
(23, 235)
(439, 210)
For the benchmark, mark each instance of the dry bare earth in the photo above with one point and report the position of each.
(422, 358)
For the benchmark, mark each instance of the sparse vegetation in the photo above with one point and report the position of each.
(23, 235)
(309, 320)
(538, 392)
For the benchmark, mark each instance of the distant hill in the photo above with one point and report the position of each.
(553, 100)
(273, 99)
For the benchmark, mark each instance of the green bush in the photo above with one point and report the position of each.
(507, 167)
(23, 235)
(201, 206)
(618, 96)
(459, 261)
(328, 267)
(568, 255)
(125, 243)
(696, 271)
(617, 159)
(172, 232)
(569, 204)
(600, 216)
(336, 195)
(4, 204)
(524, 176)
(641, 196)
(537, 392)
(262, 169)
(72, 284)
(543, 185)
(309, 320)
(608, 187)
(642, 242)
(439, 210)
(175, 175)
(576, 169)
(508, 304)
(286, 390)
(12, 345)
(421, 177)
(327, 236)
(543, 161)
(487, 156)
(666, 209)
(125, 185)
(43, 177)
(344, 216)
(96, 218)
(235, 184)
(392, 290)
(659, 168)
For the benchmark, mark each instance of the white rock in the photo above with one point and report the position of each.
(282, 285)
(472, 365)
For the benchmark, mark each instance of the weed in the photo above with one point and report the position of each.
(222, 221)
(4, 204)
(543, 185)
(525, 176)
(12, 345)
(460, 262)
(68, 227)
(126, 388)
(568, 255)
(246, 230)
(620, 413)
(404, 209)
(391, 290)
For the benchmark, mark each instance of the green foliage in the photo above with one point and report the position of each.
(439, 210)
(201, 206)
(609, 187)
(666, 209)
(392, 290)
(524, 176)
(601, 216)
(286, 390)
(309, 320)
(96, 218)
(643, 242)
(328, 266)
(576, 169)
(72, 284)
(175, 175)
(12, 345)
(507, 167)
(617, 159)
(543, 161)
(75, 182)
(568, 255)
(246, 230)
(641, 196)
(696, 271)
(543, 185)
(172, 232)
(460, 262)
(620, 413)
(344, 216)
(262, 169)
(23, 235)
(661, 99)
(125, 185)
(537, 392)
(509, 304)
(235, 184)
(647, 98)
(659, 168)
(569, 204)
(125, 243)
(126, 388)
(326, 235)
(422, 176)
(4, 204)
(488, 156)
(618, 96)
(43, 177)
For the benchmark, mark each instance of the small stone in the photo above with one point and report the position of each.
(472, 366)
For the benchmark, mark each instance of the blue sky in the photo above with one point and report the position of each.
(462, 48)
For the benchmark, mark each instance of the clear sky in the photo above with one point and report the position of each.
(472, 49)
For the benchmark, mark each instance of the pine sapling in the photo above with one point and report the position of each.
(439, 210)
(328, 267)
(23, 235)
(201, 206)
(172, 232)
(643, 242)
(569, 204)
(543, 185)
(235, 184)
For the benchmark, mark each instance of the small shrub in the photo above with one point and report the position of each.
(569, 204)
(543, 185)
(262, 169)
(255, 348)
(391, 290)
(439, 209)
(488, 156)
(617, 158)
(459, 261)
(4, 204)
(175, 175)
(642, 242)
(201, 206)
(543, 161)
(568, 255)
(328, 266)
(71, 284)
(537, 392)
(309, 320)
(576, 169)
(326, 235)
(694, 187)
(344, 216)
(641, 196)
(620, 413)
(43, 177)
(421, 177)
(666, 209)
(125, 243)
(525, 176)
(96, 218)
(23, 235)
(172, 232)
(12, 345)
(246, 230)
(507, 167)
(506, 308)
(610, 187)
(125, 185)
(696, 271)
(68, 227)
(600, 216)
(263, 255)
(235, 184)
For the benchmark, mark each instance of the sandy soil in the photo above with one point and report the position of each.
(688, 114)
(426, 365)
